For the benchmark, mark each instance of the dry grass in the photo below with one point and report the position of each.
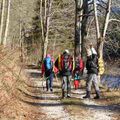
(11, 77)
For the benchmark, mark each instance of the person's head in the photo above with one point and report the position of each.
(66, 51)
(90, 44)
(88, 51)
(48, 56)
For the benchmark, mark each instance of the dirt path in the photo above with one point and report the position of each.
(47, 102)
(52, 107)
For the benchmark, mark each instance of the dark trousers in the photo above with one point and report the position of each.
(49, 80)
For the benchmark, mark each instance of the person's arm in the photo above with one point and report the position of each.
(42, 69)
(56, 64)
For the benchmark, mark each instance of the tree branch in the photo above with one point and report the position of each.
(116, 20)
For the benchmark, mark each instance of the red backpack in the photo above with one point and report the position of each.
(66, 62)
(79, 64)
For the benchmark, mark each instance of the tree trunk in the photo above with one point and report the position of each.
(84, 26)
(2, 21)
(107, 16)
(47, 27)
(1, 10)
(98, 36)
(76, 51)
(42, 27)
(7, 23)
(78, 24)
(100, 43)
(96, 19)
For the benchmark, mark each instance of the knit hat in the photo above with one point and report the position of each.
(67, 51)
(48, 55)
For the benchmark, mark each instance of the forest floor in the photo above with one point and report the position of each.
(23, 97)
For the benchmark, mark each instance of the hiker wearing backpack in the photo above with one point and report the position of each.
(64, 63)
(78, 71)
(92, 71)
(47, 70)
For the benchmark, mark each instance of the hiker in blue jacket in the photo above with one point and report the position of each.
(47, 69)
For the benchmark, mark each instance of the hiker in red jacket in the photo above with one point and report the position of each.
(65, 65)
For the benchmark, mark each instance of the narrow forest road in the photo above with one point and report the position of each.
(23, 98)
(52, 107)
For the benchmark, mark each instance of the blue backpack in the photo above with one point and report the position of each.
(48, 64)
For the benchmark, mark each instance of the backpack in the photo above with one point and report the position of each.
(48, 64)
(66, 62)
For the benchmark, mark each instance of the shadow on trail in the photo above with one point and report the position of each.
(42, 104)
(32, 67)
(38, 97)
(110, 108)
(35, 75)
(41, 87)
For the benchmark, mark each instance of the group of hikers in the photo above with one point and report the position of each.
(69, 67)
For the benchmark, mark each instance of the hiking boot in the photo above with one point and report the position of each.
(97, 95)
(87, 94)
(68, 96)
(51, 89)
(47, 89)
(63, 94)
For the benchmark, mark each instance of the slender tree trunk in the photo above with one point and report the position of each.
(78, 24)
(84, 26)
(1, 11)
(21, 43)
(96, 20)
(45, 12)
(98, 36)
(42, 28)
(2, 21)
(7, 23)
(106, 22)
(47, 27)
(76, 51)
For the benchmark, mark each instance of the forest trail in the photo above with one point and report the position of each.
(25, 99)
(50, 103)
